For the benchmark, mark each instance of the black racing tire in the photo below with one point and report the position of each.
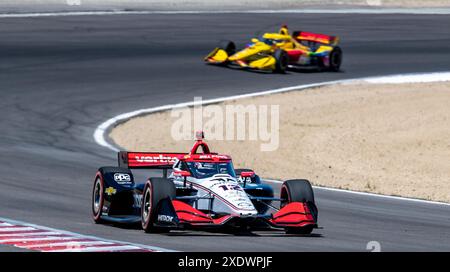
(281, 61)
(336, 57)
(295, 34)
(98, 198)
(155, 190)
(98, 191)
(299, 190)
(228, 46)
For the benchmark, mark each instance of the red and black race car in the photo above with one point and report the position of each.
(198, 191)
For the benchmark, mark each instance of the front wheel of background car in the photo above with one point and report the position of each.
(336, 59)
(155, 190)
(281, 61)
(97, 198)
(228, 46)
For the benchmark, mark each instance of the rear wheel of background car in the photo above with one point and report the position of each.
(336, 59)
(97, 198)
(155, 190)
(299, 190)
(228, 46)
(281, 61)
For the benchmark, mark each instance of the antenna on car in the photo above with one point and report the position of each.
(199, 136)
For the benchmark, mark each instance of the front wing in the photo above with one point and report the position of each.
(178, 214)
(219, 56)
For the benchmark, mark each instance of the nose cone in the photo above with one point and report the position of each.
(227, 188)
(250, 51)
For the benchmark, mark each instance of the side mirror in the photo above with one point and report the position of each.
(182, 173)
(247, 174)
(255, 40)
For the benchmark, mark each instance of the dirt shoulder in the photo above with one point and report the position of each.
(387, 139)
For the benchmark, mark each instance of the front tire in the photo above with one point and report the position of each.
(299, 190)
(228, 46)
(155, 190)
(98, 198)
(281, 61)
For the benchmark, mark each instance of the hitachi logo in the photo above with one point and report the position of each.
(160, 158)
(165, 218)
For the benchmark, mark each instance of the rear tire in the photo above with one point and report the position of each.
(281, 61)
(336, 59)
(155, 190)
(299, 190)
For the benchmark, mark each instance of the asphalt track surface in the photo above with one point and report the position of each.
(60, 77)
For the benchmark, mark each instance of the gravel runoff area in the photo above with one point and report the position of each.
(390, 139)
(13, 6)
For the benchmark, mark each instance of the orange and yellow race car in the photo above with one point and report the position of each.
(277, 52)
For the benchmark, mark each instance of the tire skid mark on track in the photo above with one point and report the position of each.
(39, 238)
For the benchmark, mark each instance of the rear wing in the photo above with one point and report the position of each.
(148, 160)
(315, 37)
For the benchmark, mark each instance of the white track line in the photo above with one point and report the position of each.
(401, 79)
(19, 237)
(416, 11)
(17, 228)
(99, 133)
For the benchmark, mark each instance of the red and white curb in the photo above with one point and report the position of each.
(39, 238)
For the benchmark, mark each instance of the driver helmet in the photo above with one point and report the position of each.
(284, 30)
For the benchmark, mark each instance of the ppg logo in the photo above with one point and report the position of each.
(122, 178)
